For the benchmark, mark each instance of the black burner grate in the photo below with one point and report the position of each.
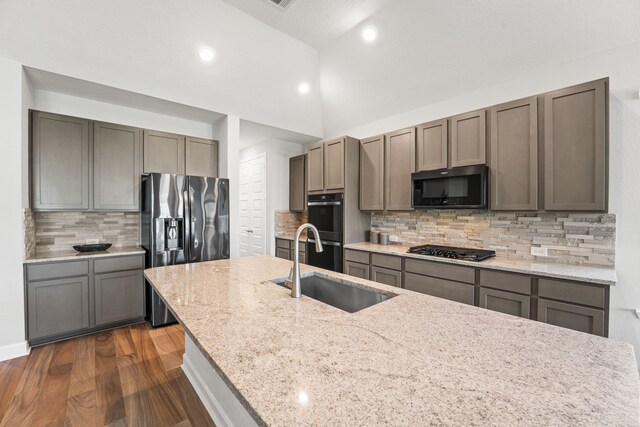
(466, 254)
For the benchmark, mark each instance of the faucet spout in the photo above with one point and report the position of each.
(294, 274)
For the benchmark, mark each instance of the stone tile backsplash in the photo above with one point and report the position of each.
(286, 222)
(570, 238)
(56, 231)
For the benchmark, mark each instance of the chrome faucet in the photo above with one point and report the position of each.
(294, 274)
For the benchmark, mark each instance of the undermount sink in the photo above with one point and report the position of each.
(344, 296)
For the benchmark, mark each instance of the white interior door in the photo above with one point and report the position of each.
(253, 175)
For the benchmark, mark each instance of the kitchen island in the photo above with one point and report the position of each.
(410, 360)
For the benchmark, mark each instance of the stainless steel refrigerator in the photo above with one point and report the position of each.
(184, 219)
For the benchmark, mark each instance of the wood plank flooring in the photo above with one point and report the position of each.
(125, 377)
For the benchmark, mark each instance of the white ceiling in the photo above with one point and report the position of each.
(252, 133)
(315, 22)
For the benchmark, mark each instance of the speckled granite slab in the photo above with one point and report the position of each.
(74, 255)
(411, 360)
(599, 275)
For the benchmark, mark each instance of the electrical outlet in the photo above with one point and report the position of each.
(539, 251)
(92, 241)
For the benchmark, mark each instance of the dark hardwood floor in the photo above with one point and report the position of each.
(125, 377)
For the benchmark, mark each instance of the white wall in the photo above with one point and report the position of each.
(622, 65)
(227, 133)
(277, 189)
(13, 123)
(151, 47)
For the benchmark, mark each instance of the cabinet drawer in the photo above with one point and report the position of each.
(282, 243)
(572, 292)
(386, 276)
(135, 262)
(303, 246)
(283, 253)
(386, 261)
(357, 256)
(505, 302)
(356, 269)
(437, 269)
(58, 269)
(303, 257)
(505, 281)
(570, 316)
(441, 288)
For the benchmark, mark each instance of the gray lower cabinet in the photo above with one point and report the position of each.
(201, 157)
(57, 306)
(514, 155)
(163, 152)
(386, 276)
(575, 148)
(118, 296)
(298, 183)
(116, 167)
(65, 299)
(285, 249)
(583, 319)
(505, 302)
(356, 269)
(60, 162)
(283, 253)
(442, 288)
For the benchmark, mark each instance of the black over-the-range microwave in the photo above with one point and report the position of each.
(457, 188)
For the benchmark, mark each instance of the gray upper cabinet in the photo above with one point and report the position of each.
(163, 152)
(432, 147)
(514, 155)
(400, 161)
(315, 164)
(201, 157)
(116, 167)
(575, 148)
(468, 139)
(372, 174)
(60, 162)
(334, 164)
(119, 296)
(298, 183)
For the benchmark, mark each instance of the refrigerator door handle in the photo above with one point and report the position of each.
(188, 225)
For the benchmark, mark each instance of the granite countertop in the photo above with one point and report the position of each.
(72, 254)
(291, 236)
(581, 273)
(410, 360)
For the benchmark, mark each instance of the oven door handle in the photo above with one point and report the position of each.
(325, 243)
(324, 203)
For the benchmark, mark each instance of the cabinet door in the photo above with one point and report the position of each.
(386, 276)
(283, 253)
(57, 306)
(163, 152)
(297, 184)
(505, 302)
(201, 157)
(334, 164)
(116, 167)
(315, 174)
(60, 162)
(514, 155)
(468, 139)
(575, 148)
(440, 288)
(119, 296)
(432, 149)
(400, 162)
(571, 316)
(303, 257)
(356, 269)
(372, 174)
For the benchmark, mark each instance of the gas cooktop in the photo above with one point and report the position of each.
(465, 254)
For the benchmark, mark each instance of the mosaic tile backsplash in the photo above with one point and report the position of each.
(286, 222)
(570, 238)
(56, 231)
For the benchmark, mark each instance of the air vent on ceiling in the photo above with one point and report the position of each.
(280, 4)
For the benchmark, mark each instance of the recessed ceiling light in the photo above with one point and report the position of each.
(304, 88)
(369, 34)
(207, 54)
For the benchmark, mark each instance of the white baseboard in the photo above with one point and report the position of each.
(223, 407)
(12, 351)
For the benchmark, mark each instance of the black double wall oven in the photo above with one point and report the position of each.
(326, 213)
